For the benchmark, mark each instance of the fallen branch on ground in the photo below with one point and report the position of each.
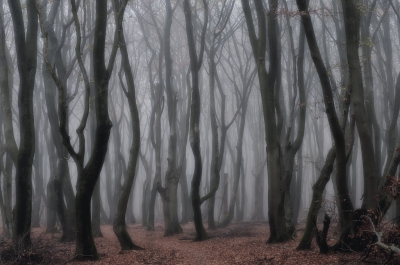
(392, 249)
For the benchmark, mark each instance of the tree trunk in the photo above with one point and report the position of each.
(171, 175)
(238, 163)
(66, 216)
(351, 14)
(96, 209)
(26, 49)
(318, 189)
(119, 225)
(195, 65)
(345, 207)
(276, 213)
(291, 149)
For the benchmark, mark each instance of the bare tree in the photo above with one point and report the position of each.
(196, 60)
(276, 196)
(119, 224)
(26, 49)
(88, 174)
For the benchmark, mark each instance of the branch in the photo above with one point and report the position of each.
(392, 249)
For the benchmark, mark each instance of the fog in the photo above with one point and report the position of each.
(211, 112)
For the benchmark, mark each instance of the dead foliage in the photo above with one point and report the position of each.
(238, 243)
(41, 251)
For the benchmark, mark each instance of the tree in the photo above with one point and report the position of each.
(61, 181)
(119, 224)
(216, 42)
(26, 49)
(88, 174)
(195, 65)
(352, 17)
(276, 214)
(172, 175)
(10, 145)
(345, 205)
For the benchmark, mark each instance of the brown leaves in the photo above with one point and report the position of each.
(394, 187)
(239, 243)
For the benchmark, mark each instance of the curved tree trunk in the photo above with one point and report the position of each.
(88, 175)
(119, 224)
(276, 213)
(316, 201)
(195, 64)
(351, 14)
(345, 206)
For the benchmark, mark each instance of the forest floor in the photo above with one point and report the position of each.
(239, 243)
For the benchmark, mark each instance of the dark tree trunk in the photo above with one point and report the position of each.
(119, 225)
(195, 65)
(345, 206)
(96, 210)
(26, 50)
(276, 212)
(352, 14)
(316, 201)
(88, 175)
(51, 214)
